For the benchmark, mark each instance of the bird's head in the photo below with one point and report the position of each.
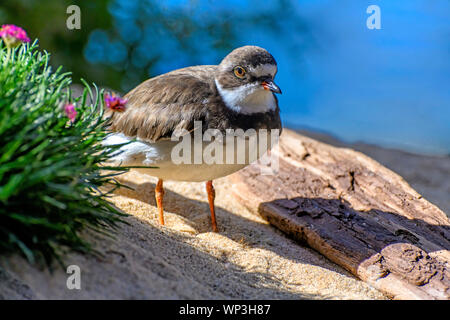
(245, 80)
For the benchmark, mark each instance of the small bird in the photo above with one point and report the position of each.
(236, 94)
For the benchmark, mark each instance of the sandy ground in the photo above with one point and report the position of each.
(248, 259)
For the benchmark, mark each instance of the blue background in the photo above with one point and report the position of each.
(388, 87)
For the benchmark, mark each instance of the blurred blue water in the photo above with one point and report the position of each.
(388, 87)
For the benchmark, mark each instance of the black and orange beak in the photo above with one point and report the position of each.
(268, 84)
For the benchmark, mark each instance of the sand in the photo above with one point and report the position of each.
(248, 259)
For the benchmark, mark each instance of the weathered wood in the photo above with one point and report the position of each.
(357, 213)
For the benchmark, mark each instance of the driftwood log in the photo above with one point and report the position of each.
(355, 212)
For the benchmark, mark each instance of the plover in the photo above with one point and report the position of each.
(236, 94)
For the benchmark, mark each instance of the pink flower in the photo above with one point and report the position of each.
(70, 111)
(13, 35)
(115, 103)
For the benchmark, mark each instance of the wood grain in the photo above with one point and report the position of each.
(355, 212)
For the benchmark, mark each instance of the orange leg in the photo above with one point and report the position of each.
(159, 193)
(211, 195)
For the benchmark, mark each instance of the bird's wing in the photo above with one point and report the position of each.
(161, 105)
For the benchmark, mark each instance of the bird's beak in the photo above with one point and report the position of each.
(271, 86)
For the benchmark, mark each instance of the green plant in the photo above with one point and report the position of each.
(50, 166)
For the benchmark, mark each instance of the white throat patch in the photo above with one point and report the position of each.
(248, 99)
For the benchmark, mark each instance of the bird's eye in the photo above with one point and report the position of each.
(239, 72)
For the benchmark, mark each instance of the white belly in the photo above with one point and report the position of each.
(191, 172)
(202, 165)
